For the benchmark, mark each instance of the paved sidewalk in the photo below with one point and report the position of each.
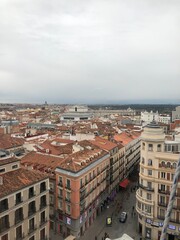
(124, 201)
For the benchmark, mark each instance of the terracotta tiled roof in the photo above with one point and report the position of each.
(55, 149)
(103, 143)
(39, 160)
(79, 160)
(8, 160)
(16, 180)
(7, 142)
(124, 138)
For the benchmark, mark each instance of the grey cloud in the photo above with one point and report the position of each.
(89, 50)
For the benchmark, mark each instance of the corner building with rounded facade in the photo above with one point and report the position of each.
(158, 162)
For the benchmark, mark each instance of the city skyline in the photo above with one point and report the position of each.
(89, 52)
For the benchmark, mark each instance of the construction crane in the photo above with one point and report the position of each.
(171, 201)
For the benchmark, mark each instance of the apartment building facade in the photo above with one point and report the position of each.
(82, 190)
(131, 143)
(45, 163)
(24, 200)
(157, 167)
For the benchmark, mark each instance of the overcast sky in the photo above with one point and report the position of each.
(89, 51)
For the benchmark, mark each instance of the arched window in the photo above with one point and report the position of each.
(159, 148)
(174, 165)
(163, 164)
(150, 147)
(143, 146)
(142, 160)
(149, 162)
(168, 164)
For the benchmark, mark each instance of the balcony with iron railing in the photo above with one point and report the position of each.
(68, 187)
(43, 221)
(20, 237)
(146, 188)
(82, 188)
(60, 184)
(60, 196)
(43, 204)
(19, 218)
(163, 191)
(31, 211)
(19, 201)
(32, 229)
(4, 227)
(162, 204)
(162, 217)
(43, 238)
(142, 199)
(144, 213)
(4, 208)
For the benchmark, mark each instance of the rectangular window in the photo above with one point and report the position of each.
(2, 170)
(31, 208)
(3, 205)
(43, 217)
(68, 184)
(4, 222)
(31, 225)
(31, 192)
(60, 204)
(68, 196)
(18, 198)
(4, 237)
(148, 196)
(19, 232)
(14, 166)
(149, 185)
(32, 238)
(60, 181)
(19, 215)
(81, 182)
(43, 202)
(42, 234)
(42, 187)
(163, 187)
(162, 213)
(163, 175)
(149, 172)
(68, 208)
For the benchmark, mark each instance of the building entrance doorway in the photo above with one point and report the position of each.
(171, 237)
(140, 228)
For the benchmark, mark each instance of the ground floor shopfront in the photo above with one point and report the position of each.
(151, 229)
(65, 225)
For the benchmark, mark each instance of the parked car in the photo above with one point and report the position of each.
(123, 217)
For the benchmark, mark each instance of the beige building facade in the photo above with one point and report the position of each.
(157, 168)
(24, 203)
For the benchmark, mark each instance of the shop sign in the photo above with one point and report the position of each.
(68, 221)
(172, 227)
(155, 224)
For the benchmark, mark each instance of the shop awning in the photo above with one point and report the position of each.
(124, 183)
